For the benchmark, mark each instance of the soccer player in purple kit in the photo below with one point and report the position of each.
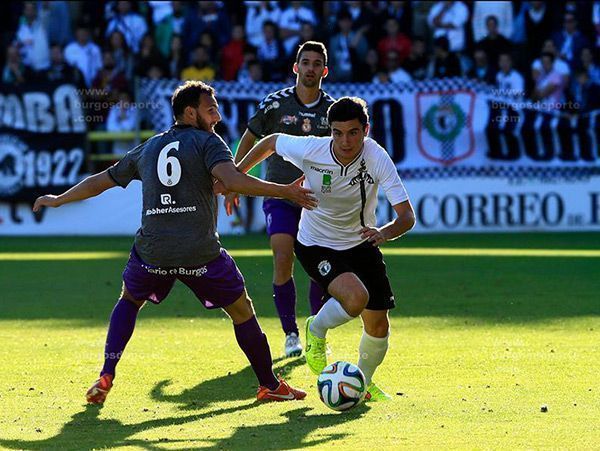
(178, 239)
(297, 110)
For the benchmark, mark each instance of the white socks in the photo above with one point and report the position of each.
(371, 352)
(331, 315)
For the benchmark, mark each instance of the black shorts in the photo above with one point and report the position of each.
(323, 264)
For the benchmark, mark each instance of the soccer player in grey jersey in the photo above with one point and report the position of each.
(297, 110)
(178, 239)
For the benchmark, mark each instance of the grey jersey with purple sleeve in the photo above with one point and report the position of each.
(179, 216)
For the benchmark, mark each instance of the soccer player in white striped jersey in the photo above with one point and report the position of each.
(337, 242)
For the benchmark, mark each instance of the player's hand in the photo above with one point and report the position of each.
(49, 200)
(219, 187)
(300, 195)
(231, 200)
(373, 235)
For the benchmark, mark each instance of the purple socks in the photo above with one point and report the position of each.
(316, 297)
(285, 302)
(122, 323)
(253, 342)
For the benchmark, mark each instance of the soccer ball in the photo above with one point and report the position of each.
(341, 386)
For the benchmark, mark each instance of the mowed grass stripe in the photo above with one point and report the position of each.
(241, 253)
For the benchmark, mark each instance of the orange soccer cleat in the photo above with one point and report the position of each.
(98, 392)
(282, 393)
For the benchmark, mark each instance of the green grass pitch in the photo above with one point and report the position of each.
(481, 340)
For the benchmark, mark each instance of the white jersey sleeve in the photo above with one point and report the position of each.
(295, 148)
(389, 179)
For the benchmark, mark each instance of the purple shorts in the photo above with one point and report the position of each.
(281, 217)
(216, 284)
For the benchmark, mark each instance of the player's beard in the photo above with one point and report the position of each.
(202, 124)
(309, 83)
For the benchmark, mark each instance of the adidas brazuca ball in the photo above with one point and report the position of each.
(341, 386)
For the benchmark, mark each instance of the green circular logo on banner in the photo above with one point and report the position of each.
(444, 122)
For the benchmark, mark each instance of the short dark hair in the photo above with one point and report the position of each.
(492, 18)
(348, 108)
(188, 94)
(547, 55)
(312, 46)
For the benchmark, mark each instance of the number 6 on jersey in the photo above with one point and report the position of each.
(164, 161)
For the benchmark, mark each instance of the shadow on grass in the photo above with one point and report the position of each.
(87, 430)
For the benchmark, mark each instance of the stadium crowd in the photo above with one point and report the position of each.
(541, 50)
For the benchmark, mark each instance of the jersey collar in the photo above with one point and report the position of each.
(344, 168)
(321, 98)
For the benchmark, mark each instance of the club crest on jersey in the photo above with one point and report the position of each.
(326, 183)
(324, 267)
(306, 126)
(288, 119)
(363, 176)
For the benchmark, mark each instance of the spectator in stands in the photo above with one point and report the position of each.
(447, 19)
(482, 69)
(494, 43)
(123, 58)
(32, 39)
(201, 68)
(401, 11)
(254, 73)
(122, 117)
(149, 55)
(394, 40)
(307, 33)
(108, 83)
(345, 49)
(502, 11)
(368, 69)
(508, 80)
(132, 25)
(549, 86)
(270, 53)
(585, 93)
(589, 65)
(396, 73)
(249, 59)
(155, 72)
(14, 71)
(56, 17)
(208, 40)
(570, 41)
(291, 21)
(168, 26)
(416, 62)
(232, 55)
(176, 63)
(84, 54)
(444, 62)
(538, 26)
(205, 16)
(60, 70)
(258, 12)
(560, 65)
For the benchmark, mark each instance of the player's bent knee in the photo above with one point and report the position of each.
(241, 310)
(126, 295)
(379, 328)
(356, 302)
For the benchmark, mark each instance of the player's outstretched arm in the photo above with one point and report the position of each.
(405, 220)
(234, 180)
(89, 187)
(261, 150)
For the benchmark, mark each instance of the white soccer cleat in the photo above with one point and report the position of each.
(292, 347)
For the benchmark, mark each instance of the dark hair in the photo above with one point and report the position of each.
(313, 46)
(348, 108)
(493, 18)
(442, 42)
(189, 94)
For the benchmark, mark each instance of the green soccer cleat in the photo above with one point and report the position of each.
(316, 358)
(376, 394)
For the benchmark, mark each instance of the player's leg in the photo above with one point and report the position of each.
(142, 285)
(221, 285)
(316, 297)
(372, 349)
(282, 227)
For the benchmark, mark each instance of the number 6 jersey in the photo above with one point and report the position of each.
(179, 216)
